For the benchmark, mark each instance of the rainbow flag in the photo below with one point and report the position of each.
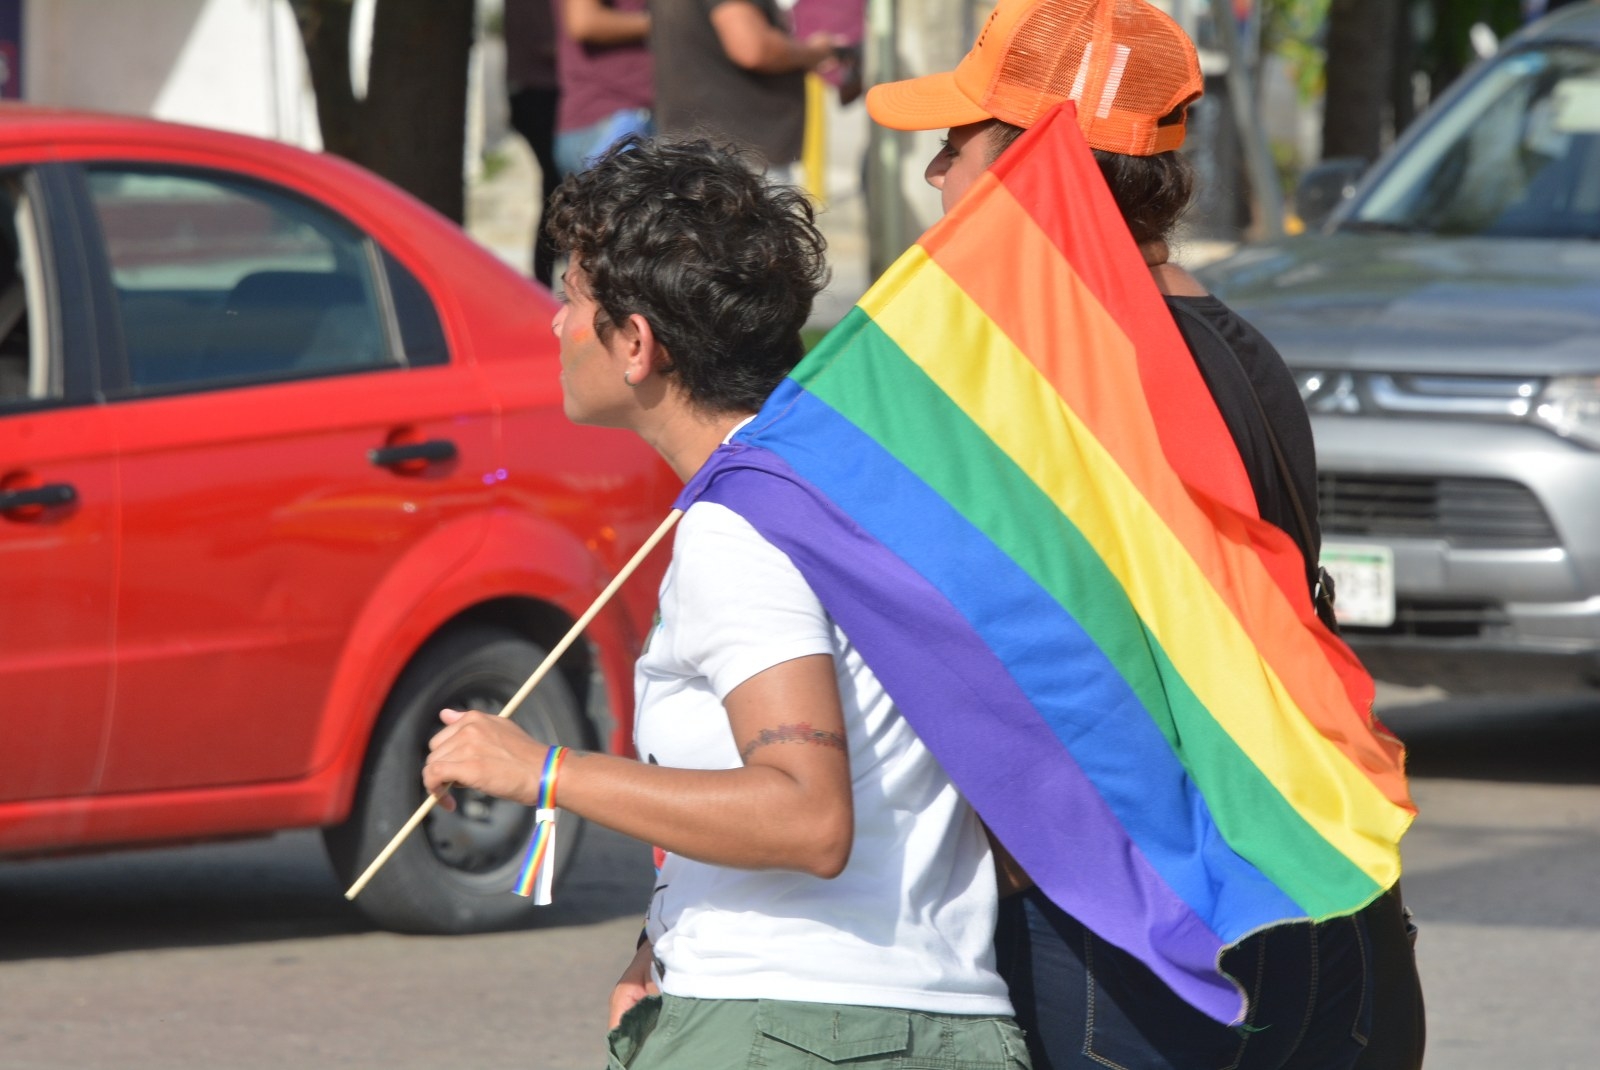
(1005, 478)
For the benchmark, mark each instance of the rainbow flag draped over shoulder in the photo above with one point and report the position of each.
(1006, 480)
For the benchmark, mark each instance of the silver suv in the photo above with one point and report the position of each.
(1444, 327)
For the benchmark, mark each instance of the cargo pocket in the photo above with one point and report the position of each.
(820, 1035)
(638, 1022)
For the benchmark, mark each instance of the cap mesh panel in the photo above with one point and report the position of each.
(1046, 52)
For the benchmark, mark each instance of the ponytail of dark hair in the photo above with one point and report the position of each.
(1153, 192)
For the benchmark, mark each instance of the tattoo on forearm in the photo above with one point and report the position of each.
(792, 733)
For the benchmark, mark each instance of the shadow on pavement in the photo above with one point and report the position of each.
(1507, 840)
(283, 889)
(1535, 740)
(280, 888)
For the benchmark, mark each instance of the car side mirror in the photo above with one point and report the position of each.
(1326, 186)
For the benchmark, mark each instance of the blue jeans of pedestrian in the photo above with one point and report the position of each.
(1086, 1005)
(577, 150)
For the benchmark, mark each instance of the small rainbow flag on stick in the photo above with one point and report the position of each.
(1005, 478)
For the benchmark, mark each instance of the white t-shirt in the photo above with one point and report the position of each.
(910, 921)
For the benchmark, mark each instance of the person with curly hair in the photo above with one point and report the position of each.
(824, 894)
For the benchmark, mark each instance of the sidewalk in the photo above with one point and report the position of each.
(500, 207)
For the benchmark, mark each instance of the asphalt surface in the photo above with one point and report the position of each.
(245, 955)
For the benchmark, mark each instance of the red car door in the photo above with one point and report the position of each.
(57, 514)
(57, 519)
(281, 446)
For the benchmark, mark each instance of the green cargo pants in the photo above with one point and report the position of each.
(673, 1033)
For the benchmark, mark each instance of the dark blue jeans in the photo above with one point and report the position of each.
(1086, 1005)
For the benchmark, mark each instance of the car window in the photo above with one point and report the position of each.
(221, 280)
(1516, 155)
(27, 373)
(421, 334)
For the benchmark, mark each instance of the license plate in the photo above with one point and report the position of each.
(1363, 583)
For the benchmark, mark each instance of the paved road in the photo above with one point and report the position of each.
(245, 955)
(1503, 870)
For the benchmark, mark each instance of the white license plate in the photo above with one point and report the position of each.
(1363, 583)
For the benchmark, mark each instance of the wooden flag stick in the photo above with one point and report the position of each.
(524, 691)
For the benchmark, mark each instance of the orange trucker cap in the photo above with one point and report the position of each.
(1126, 64)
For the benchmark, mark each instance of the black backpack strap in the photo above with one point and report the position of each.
(1322, 588)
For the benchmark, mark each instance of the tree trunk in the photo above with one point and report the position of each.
(417, 98)
(1402, 93)
(411, 126)
(1361, 38)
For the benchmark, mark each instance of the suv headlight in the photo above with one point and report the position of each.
(1570, 406)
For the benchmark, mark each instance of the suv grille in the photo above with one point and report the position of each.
(1484, 513)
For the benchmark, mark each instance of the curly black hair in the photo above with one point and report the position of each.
(723, 265)
(1152, 191)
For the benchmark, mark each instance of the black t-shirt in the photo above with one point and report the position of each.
(699, 90)
(1233, 357)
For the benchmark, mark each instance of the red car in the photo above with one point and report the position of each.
(283, 472)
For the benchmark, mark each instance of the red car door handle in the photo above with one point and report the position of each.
(48, 495)
(431, 452)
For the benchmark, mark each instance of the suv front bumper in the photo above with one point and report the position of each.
(1495, 591)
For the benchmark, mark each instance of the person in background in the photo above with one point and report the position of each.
(1333, 996)
(826, 895)
(607, 86)
(732, 69)
(534, 93)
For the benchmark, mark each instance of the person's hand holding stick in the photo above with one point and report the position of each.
(522, 693)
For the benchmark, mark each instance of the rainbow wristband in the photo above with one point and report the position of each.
(538, 868)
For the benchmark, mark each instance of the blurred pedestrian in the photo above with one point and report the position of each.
(607, 83)
(534, 93)
(1340, 994)
(826, 896)
(732, 69)
(844, 21)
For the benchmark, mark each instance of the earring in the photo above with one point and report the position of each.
(627, 377)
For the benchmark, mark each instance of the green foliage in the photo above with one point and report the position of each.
(1439, 29)
(492, 20)
(1286, 162)
(1442, 28)
(494, 162)
(1292, 30)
